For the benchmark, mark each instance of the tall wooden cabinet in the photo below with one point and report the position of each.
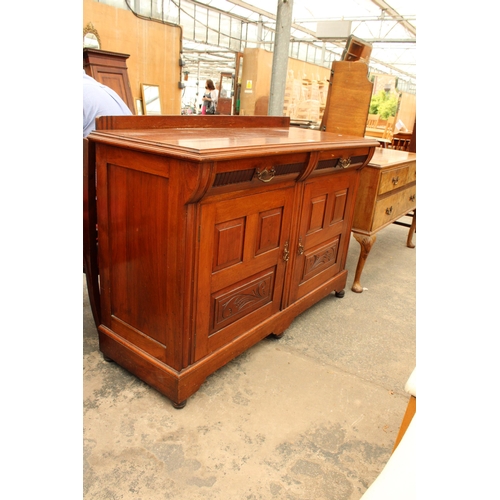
(215, 232)
(348, 99)
(110, 69)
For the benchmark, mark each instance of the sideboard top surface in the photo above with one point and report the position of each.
(384, 157)
(212, 143)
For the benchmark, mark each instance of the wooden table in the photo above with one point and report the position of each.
(384, 143)
(387, 192)
(214, 232)
(377, 132)
(401, 141)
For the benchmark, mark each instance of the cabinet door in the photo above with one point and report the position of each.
(324, 231)
(241, 265)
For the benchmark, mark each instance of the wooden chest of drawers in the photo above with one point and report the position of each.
(387, 191)
(214, 232)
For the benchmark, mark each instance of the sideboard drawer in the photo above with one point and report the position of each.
(397, 177)
(394, 206)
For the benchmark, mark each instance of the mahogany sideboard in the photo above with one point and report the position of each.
(387, 192)
(213, 233)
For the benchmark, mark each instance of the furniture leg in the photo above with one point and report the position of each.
(411, 232)
(276, 335)
(366, 243)
(179, 406)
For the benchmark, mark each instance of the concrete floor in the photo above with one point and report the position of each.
(312, 416)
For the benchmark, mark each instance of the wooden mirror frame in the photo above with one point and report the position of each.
(151, 102)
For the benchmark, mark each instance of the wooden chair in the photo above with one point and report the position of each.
(400, 143)
(389, 128)
(372, 121)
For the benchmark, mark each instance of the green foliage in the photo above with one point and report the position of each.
(384, 104)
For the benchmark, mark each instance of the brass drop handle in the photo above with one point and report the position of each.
(266, 175)
(412, 197)
(388, 211)
(286, 252)
(344, 162)
(395, 180)
(300, 249)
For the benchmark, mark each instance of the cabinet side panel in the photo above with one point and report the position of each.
(138, 205)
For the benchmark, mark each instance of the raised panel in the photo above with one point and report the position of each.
(339, 206)
(317, 211)
(228, 243)
(269, 230)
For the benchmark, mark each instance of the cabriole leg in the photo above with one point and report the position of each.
(411, 232)
(366, 243)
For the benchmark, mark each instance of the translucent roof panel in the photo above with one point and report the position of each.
(389, 27)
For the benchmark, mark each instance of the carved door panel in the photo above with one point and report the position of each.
(241, 266)
(324, 231)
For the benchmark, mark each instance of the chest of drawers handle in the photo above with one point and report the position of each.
(395, 180)
(344, 162)
(266, 175)
(412, 197)
(388, 211)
